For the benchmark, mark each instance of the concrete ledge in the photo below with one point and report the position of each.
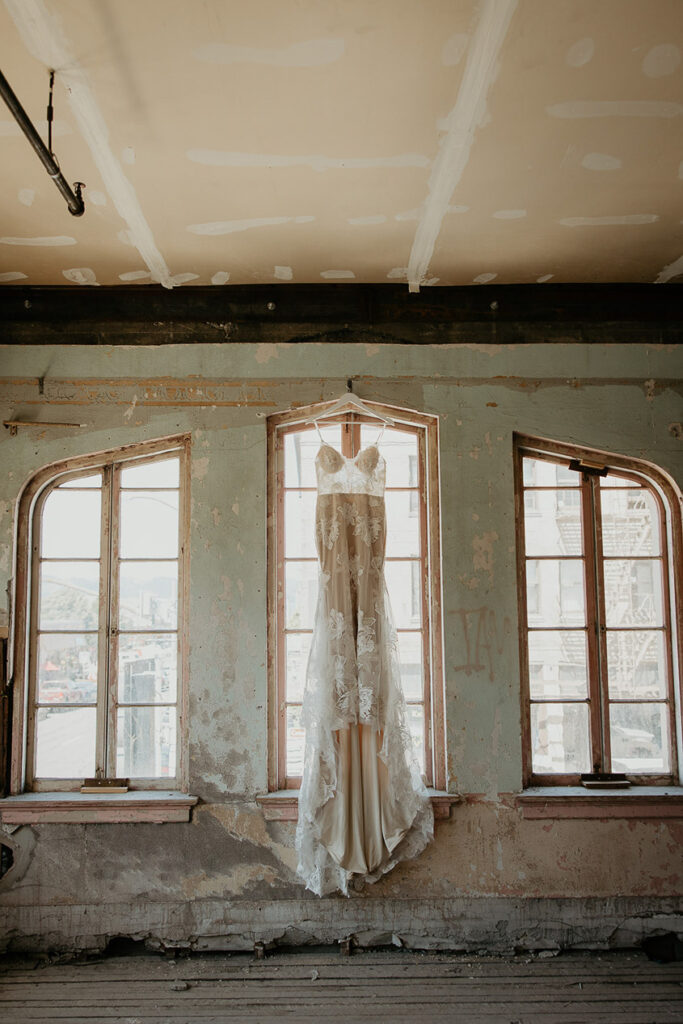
(576, 802)
(86, 808)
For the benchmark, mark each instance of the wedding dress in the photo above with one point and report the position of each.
(363, 805)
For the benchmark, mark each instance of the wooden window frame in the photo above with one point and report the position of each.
(590, 462)
(426, 429)
(29, 507)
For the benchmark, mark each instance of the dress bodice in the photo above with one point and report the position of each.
(364, 474)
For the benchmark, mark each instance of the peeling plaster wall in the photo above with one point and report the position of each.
(227, 878)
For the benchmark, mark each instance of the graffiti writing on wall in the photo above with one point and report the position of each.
(481, 639)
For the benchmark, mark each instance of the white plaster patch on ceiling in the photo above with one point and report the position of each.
(581, 52)
(509, 214)
(283, 273)
(377, 218)
(220, 158)
(96, 198)
(178, 279)
(10, 128)
(80, 275)
(13, 275)
(484, 278)
(661, 60)
(311, 53)
(544, 278)
(43, 37)
(467, 114)
(124, 237)
(337, 275)
(408, 214)
(220, 277)
(615, 108)
(398, 274)
(128, 155)
(134, 275)
(601, 162)
(624, 218)
(47, 240)
(26, 196)
(453, 49)
(672, 270)
(231, 227)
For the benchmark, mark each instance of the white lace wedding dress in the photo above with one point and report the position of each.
(362, 805)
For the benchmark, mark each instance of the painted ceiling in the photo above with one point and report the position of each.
(436, 142)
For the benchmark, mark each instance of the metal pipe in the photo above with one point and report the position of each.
(74, 200)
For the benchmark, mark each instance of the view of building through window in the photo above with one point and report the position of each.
(598, 641)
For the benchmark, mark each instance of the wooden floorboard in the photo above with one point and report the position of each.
(401, 987)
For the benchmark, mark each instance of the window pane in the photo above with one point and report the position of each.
(147, 668)
(67, 668)
(403, 524)
(540, 473)
(65, 743)
(553, 527)
(92, 480)
(399, 449)
(557, 664)
(555, 592)
(162, 473)
(149, 524)
(71, 524)
(630, 522)
(301, 449)
(295, 741)
(298, 646)
(148, 595)
(636, 664)
(69, 595)
(633, 592)
(410, 658)
(301, 594)
(146, 743)
(640, 741)
(416, 724)
(612, 480)
(300, 524)
(404, 584)
(559, 738)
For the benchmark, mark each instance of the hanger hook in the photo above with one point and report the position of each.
(349, 385)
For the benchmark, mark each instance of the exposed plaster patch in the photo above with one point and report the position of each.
(26, 196)
(283, 273)
(615, 108)
(134, 275)
(670, 271)
(80, 275)
(230, 227)
(222, 158)
(265, 352)
(650, 389)
(676, 430)
(13, 275)
(337, 275)
(616, 219)
(544, 278)
(377, 218)
(581, 52)
(200, 468)
(128, 414)
(484, 278)
(398, 274)
(661, 60)
(453, 49)
(220, 277)
(40, 240)
(216, 516)
(372, 350)
(235, 508)
(509, 214)
(601, 162)
(183, 278)
(482, 548)
(311, 53)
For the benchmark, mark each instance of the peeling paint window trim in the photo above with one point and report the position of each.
(425, 427)
(31, 501)
(590, 466)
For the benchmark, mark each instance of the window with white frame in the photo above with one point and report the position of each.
(411, 570)
(597, 538)
(99, 605)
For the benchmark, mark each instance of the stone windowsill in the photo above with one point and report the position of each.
(578, 802)
(85, 808)
(283, 805)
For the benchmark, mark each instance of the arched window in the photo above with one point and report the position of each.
(599, 545)
(99, 609)
(412, 570)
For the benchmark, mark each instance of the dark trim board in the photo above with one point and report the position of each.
(382, 313)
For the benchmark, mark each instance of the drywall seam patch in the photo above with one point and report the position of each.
(44, 38)
(670, 271)
(465, 117)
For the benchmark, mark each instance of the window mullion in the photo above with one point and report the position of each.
(110, 572)
(593, 622)
(602, 624)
